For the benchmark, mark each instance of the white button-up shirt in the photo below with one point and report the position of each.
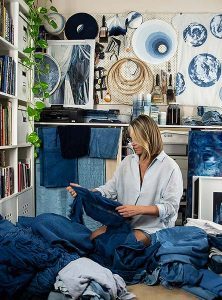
(162, 186)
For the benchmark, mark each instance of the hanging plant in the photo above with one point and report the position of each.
(37, 16)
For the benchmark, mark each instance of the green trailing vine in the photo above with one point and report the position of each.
(37, 16)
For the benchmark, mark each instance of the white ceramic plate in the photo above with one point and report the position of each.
(59, 20)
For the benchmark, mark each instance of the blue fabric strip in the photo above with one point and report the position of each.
(104, 142)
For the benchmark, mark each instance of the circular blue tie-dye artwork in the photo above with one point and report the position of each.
(180, 84)
(158, 45)
(204, 70)
(195, 34)
(216, 26)
(155, 41)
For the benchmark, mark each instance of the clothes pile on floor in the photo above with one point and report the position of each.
(45, 253)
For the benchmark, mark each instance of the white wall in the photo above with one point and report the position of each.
(69, 7)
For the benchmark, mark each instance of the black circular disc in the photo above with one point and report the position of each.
(81, 26)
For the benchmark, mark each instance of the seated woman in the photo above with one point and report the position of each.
(148, 183)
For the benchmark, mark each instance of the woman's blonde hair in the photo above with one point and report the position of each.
(147, 135)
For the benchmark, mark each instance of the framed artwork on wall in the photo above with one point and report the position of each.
(76, 62)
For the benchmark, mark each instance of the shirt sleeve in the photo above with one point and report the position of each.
(170, 200)
(109, 189)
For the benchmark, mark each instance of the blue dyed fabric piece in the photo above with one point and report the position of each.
(60, 232)
(104, 142)
(187, 244)
(204, 158)
(50, 200)
(22, 256)
(97, 207)
(117, 248)
(55, 170)
(212, 118)
(88, 166)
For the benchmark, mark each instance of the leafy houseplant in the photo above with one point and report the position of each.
(38, 15)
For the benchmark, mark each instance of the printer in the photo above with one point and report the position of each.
(58, 113)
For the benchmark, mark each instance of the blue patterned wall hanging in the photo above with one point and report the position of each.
(199, 78)
(204, 158)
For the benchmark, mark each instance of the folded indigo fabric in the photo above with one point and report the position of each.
(74, 141)
(104, 142)
(55, 171)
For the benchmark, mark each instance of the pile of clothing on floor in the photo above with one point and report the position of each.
(51, 252)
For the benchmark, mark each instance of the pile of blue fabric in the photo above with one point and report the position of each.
(36, 249)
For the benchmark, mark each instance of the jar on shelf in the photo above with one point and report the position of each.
(173, 114)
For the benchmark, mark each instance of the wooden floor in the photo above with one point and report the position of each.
(144, 292)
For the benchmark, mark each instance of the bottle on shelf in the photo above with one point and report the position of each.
(173, 114)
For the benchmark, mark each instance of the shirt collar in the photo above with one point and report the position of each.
(161, 156)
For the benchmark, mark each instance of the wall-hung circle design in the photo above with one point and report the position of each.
(180, 84)
(204, 70)
(60, 22)
(155, 41)
(52, 76)
(195, 34)
(216, 26)
(81, 26)
(134, 19)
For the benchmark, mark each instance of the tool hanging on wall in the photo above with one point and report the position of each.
(103, 32)
(157, 96)
(99, 52)
(164, 84)
(170, 91)
(113, 47)
(100, 81)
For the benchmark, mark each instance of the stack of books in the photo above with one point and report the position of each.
(7, 74)
(6, 124)
(24, 175)
(6, 176)
(6, 23)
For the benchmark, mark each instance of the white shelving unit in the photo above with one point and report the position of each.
(19, 202)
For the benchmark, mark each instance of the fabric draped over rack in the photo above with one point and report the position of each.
(54, 172)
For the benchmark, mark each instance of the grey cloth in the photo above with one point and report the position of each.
(58, 296)
(77, 275)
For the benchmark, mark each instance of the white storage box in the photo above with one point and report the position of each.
(175, 149)
(26, 204)
(23, 32)
(8, 209)
(23, 127)
(23, 82)
(174, 137)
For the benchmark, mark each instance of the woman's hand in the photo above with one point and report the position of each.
(128, 211)
(71, 190)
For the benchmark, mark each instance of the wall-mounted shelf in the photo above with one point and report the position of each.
(214, 127)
